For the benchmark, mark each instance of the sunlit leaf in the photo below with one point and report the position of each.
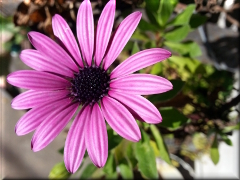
(177, 34)
(173, 2)
(165, 11)
(185, 66)
(156, 69)
(155, 148)
(163, 151)
(189, 48)
(214, 153)
(177, 87)
(146, 159)
(172, 118)
(231, 128)
(184, 17)
(59, 171)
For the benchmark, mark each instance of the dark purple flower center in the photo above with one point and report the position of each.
(89, 85)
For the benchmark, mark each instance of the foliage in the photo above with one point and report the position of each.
(192, 109)
(15, 34)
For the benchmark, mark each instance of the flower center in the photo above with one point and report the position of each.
(90, 85)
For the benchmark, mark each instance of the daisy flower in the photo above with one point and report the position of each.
(66, 77)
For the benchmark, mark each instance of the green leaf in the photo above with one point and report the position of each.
(111, 176)
(59, 171)
(155, 148)
(128, 46)
(125, 171)
(146, 26)
(197, 20)
(152, 16)
(130, 156)
(152, 5)
(173, 2)
(163, 151)
(157, 68)
(165, 11)
(146, 160)
(172, 118)
(225, 139)
(214, 153)
(183, 62)
(113, 140)
(150, 44)
(110, 166)
(184, 17)
(177, 34)
(189, 48)
(231, 128)
(88, 171)
(177, 87)
(135, 48)
(138, 35)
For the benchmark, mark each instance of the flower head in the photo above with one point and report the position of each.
(66, 77)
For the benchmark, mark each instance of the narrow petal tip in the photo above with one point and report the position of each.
(136, 139)
(168, 53)
(138, 14)
(29, 35)
(170, 85)
(19, 132)
(69, 169)
(16, 130)
(34, 147)
(113, 1)
(11, 78)
(55, 16)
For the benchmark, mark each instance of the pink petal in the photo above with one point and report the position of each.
(121, 37)
(141, 84)
(75, 143)
(32, 98)
(64, 33)
(38, 61)
(141, 106)
(85, 30)
(35, 80)
(52, 126)
(33, 118)
(120, 119)
(96, 137)
(139, 61)
(51, 49)
(104, 30)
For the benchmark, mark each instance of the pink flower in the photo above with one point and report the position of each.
(64, 79)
